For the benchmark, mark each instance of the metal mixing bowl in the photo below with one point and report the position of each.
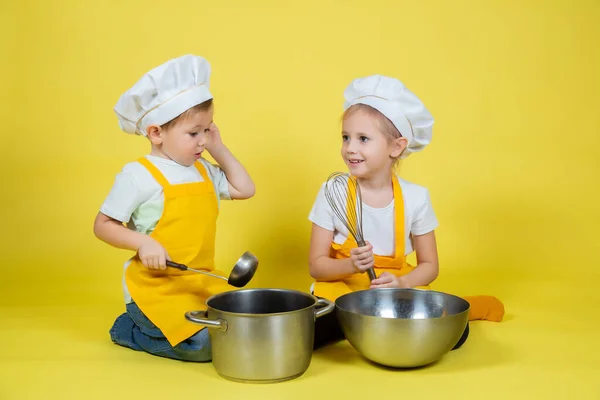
(402, 327)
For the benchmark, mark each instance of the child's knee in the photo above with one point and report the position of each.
(123, 324)
(197, 348)
(146, 326)
(121, 332)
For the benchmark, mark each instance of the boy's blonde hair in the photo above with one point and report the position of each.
(190, 112)
(385, 125)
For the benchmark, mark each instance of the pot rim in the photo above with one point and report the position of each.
(466, 311)
(254, 315)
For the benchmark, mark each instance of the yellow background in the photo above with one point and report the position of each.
(513, 172)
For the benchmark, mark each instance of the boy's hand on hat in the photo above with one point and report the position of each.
(362, 257)
(214, 138)
(153, 254)
(388, 280)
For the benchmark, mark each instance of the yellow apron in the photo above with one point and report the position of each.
(395, 264)
(186, 230)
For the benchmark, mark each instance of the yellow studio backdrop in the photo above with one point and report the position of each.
(513, 172)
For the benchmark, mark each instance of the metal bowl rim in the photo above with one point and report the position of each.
(338, 307)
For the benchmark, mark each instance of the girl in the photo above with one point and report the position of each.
(383, 122)
(169, 200)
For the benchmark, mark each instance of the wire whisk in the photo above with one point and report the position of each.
(343, 195)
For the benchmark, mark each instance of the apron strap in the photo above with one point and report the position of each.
(202, 171)
(207, 181)
(156, 174)
(398, 217)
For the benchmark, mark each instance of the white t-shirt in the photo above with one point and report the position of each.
(378, 223)
(137, 199)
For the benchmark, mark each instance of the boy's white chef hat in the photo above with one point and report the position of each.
(390, 97)
(164, 93)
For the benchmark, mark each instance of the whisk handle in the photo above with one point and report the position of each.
(371, 273)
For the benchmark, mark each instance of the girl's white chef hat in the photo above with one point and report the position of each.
(391, 98)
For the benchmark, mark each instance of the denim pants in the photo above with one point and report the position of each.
(134, 330)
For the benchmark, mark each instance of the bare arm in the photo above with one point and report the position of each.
(427, 261)
(111, 231)
(323, 267)
(427, 268)
(240, 184)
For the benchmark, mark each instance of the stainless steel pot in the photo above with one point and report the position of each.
(261, 335)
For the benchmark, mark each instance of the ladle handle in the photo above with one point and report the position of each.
(176, 265)
(185, 268)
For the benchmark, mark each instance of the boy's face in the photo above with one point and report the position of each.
(185, 141)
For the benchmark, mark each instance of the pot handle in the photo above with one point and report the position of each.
(329, 305)
(199, 317)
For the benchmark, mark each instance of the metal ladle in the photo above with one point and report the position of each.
(242, 272)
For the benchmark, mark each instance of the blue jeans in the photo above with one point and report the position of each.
(134, 330)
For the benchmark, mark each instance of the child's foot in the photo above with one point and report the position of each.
(486, 308)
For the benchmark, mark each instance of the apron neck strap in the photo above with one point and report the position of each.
(398, 217)
(156, 174)
(398, 214)
(202, 170)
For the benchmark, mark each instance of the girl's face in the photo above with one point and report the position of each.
(365, 149)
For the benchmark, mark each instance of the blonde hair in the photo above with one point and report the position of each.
(190, 112)
(384, 124)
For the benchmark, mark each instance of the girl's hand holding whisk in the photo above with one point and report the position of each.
(362, 257)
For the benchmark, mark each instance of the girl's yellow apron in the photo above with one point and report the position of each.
(186, 230)
(481, 307)
(396, 264)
